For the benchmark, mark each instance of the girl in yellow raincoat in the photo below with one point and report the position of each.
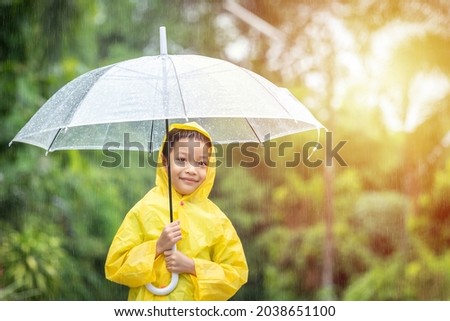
(209, 258)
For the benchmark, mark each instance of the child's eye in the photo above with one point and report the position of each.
(180, 161)
(202, 163)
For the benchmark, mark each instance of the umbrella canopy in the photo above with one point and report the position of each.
(136, 97)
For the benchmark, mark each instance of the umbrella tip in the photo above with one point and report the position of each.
(162, 41)
(10, 143)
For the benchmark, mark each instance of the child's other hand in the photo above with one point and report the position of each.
(169, 237)
(177, 262)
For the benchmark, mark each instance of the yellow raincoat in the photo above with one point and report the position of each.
(208, 237)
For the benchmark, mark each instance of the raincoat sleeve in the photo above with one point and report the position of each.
(221, 277)
(130, 259)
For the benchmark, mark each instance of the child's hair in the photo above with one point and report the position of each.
(176, 134)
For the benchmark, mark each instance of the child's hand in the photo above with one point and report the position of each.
(177, 262)
(169, 237)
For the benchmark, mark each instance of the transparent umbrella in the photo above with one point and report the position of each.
(136, 97)
(140, 97)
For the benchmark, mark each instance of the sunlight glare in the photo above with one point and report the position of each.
(423, 87)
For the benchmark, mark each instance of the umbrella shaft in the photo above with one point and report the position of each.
(169, 176)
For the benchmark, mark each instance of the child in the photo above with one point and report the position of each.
(209, 259)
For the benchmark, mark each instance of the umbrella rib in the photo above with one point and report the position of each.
(150, 147)
(106, 133)
(53, 140)
(179, 88)
(253, 130)
(282, 106)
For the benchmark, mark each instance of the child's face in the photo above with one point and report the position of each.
(188, 165)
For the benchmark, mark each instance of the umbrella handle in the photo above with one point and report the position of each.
(166, 290)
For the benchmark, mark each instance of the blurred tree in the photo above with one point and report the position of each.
(434, 208)
(305, 30)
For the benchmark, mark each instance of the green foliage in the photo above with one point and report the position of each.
(247, 209)
(423, 277)
(382, 217)
(434, 209)
(277, 253)
(26, 261)
(381, 283)
(298, 200)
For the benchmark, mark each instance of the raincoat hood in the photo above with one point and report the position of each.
(203, 191)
